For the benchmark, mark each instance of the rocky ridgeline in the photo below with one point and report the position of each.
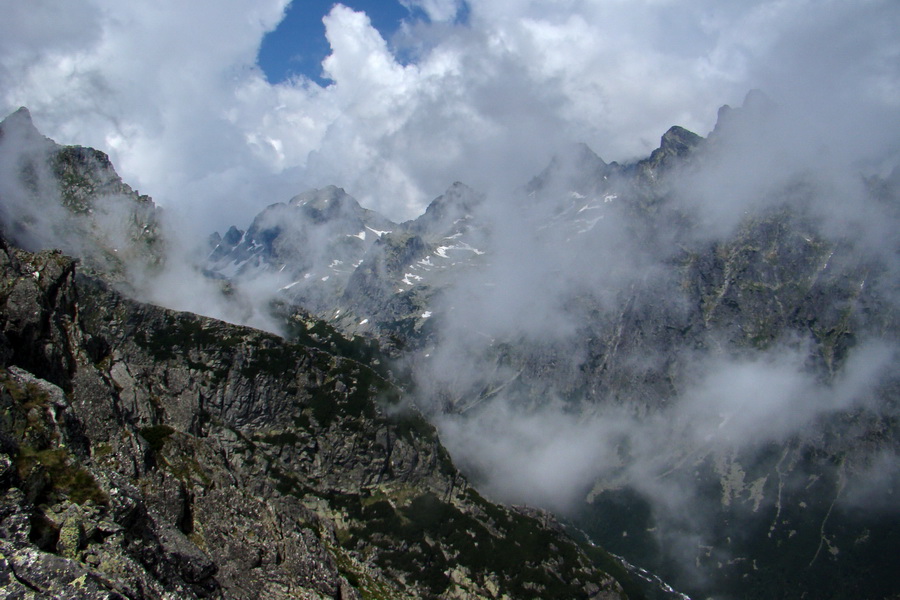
(299, 464)
(146, 453)
(350, 266)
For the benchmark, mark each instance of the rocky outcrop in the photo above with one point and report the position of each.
(70, 198)
(675, 145)
(146, 453)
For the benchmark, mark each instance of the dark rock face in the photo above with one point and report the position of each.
(151, 454)
(677, 143)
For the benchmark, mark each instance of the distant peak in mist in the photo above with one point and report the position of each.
(756, 105)
(20, 115)
(582, 156)
(327, 202)
(678, 140)
(322, 198)
(19, 124)
(456, 204)
(757, 100)
(676, 143)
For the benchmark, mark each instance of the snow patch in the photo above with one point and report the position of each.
(376, 232)
(442, 250)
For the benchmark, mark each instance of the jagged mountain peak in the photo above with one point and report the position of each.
(327, 203)
(233, 235)
(457, 192)
(458, 187)
(18, 118)
(332, 204)
(21, 113)
(575, 168)
(321, 197)
(757, 99)
(679, 140)
(581, 156)
(676, 143)
(453, 206)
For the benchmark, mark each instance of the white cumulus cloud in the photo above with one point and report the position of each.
(172, 90)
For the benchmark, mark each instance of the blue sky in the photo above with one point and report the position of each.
(298, 45)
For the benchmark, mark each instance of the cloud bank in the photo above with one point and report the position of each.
(172, 91)
(551, 455)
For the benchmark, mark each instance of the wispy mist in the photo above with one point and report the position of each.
(596, 350)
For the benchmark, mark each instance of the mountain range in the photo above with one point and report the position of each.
(688, 357)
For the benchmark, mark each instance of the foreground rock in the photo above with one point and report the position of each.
(151, 454)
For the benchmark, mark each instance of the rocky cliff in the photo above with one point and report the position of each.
(146, 453)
